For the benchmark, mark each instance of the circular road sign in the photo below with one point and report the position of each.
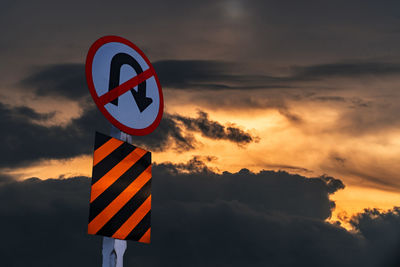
(124, 85)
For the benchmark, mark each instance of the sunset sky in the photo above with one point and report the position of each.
(305, 89)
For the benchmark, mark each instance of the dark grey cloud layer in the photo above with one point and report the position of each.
(66, 80)
(306, 83)
(24, 141)
(199, 219)
(69, 80)
(345, 69)
(187, 74)
(46, 223)
(259, 32)
(383, 228)
(261, 191)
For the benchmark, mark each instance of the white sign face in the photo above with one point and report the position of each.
(124, 85)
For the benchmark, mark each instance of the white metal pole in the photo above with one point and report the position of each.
(114, 249)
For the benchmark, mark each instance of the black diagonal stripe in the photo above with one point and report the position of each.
(100, 139)
(111, 160)
(141, 228)
(102, 201)
(127, 210)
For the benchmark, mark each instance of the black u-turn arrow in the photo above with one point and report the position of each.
(115, 69)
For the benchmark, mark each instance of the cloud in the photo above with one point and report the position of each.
(24, 141)
(259, 34)
(67, 80)
(199, 218)
(271, 188)
(28, 113)
(357, 166)
(382, 228)
(55, 214)
(363, 118)
(5, 179)
(219, 75)
(167, 135)
(329, 98)
(214, 130)
(211, 75)
(345, 69)
(194, 165)
(192, 73)
(288, 167)
(46, 222)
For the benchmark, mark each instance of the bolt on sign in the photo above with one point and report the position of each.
(120, 198)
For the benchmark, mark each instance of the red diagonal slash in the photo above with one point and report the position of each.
(125, 87)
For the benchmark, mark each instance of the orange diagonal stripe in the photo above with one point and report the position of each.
(100, 220)
(135, 218)
(146, 237)
(110, 177)
(105, 150)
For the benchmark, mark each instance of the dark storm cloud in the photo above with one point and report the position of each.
(189, 73)
(350, 69)
(350, 104)
(329, 98)
(47, 222)
(28, 113)
(221, 75)
(6, 179)
(198, 219)
(202, 184)
(383, 228)
(67, 80)
(194, 165)
(211, 75)
(214, 130)
(353, 102)
(24, 141)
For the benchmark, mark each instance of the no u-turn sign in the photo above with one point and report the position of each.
(124, 85)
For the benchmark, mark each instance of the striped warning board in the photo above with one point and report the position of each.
(120, 198)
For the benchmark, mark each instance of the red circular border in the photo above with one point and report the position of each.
(89, 61)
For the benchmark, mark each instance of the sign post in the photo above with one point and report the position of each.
(114, 249)
(126, 89)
